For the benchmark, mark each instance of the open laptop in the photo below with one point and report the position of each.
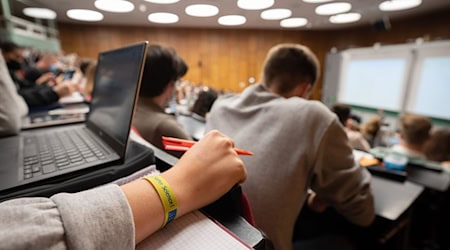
(40, 155)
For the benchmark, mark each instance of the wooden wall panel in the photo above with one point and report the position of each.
(226, 58)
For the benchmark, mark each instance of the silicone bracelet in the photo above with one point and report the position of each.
(167, 197)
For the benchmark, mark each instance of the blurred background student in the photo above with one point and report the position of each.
(163, 68)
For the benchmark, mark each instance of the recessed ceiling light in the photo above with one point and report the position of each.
(255, 4)
(276, 14)
(345, 18)
(41, 13)
(162, 1)
(399, 5)
(202, 10)
(163, 17)
(293, 22)
(333, 8)
(316, 1)
(232, 20)
(85, 15)
(119, 6)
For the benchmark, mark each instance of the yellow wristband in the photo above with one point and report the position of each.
(167, 197)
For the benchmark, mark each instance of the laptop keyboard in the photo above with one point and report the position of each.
(50, 152)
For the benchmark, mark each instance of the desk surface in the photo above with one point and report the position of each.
(392, 198)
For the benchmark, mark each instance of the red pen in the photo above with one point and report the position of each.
(176, 144)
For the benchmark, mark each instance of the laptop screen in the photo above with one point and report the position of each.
(117, 81)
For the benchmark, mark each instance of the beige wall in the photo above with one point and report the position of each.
(225, 58)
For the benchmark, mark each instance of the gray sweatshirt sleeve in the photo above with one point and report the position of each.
(94, 219)
(339, 181)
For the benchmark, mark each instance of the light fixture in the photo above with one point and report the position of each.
(85, 15)
(162, 1)
(232, 20)
(276, 14)
(345, 18)
(316, 1)
(118, 6)
(395, 5)
(41, 13)
(293, 22)
(333, 8)
(163, 17)
(255, 4)
(201, 10)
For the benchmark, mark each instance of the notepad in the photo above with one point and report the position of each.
(193, 231)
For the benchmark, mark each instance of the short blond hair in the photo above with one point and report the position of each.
(415, 129)
(286, 65)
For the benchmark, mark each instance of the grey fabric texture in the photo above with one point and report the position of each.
(98, 218)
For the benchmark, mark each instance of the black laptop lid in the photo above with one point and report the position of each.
(116, 86)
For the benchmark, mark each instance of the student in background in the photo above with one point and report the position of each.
(437, 148)
(371, 131)
(12, 105)
(205, 99)
(297, 144)
(355, 138)
(162, 69)
(113, 217)
(33, 94)
(414, 133)
(195, 122)
(43, 71)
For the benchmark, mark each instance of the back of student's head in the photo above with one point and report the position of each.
(342, 111)
(415, 129)
(437, 148)
(204, 102)
(288, 65)
(162, 67)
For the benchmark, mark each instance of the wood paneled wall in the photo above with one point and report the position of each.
(226, 58)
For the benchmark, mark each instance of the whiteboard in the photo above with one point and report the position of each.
(375, 78)
(430, 85)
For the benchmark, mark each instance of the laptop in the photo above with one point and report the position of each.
(74, 113)
(49, 154)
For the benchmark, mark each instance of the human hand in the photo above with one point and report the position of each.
(205, 172)
(65, 88)
(48, 78)
(315, 203)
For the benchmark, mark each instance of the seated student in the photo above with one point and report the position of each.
(297, 144)
(162, 69)
(205, 99)
(414, 133)
(195, 122)
(43, 71)
(113, 217)
(370, 131)
(12, 105)
(355, 138)
(33, 94)
(437, 148)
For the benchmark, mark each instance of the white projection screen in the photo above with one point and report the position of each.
(375, 78)
(430, 85)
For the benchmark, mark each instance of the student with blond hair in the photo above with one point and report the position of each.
(414, 133)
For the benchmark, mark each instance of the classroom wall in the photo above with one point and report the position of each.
(226, 58)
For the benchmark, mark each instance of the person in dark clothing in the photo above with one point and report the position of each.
(34, 94)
